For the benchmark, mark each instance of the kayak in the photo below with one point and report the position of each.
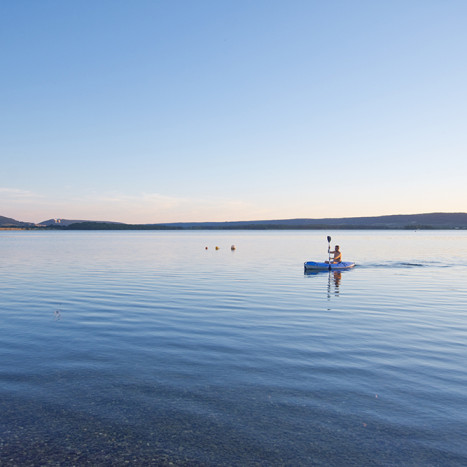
(309, 265)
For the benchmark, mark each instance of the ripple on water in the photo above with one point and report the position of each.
(165, 352)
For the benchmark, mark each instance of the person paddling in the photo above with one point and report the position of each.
(337, 255)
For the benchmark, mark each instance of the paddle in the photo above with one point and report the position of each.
(329, 251)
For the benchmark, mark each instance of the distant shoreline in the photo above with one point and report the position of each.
(74, 228)
(427, 221)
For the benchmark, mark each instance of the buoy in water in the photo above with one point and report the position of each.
(217, 247)
(232, 247)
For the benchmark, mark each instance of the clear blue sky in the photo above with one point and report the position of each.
(210, 110)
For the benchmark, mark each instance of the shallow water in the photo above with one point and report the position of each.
(144, 347)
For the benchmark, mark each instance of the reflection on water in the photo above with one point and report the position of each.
(337, 276)
(334, 279)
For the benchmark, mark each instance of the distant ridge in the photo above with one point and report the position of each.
(435, 220)
(67, 222)
(397, 221)
(6, 222)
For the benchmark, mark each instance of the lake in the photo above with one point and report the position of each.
(146, 348)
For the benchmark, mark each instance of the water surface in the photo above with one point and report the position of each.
(144, 347)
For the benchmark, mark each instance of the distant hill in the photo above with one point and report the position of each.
(67, 222)
(399, 221)
(7, 222)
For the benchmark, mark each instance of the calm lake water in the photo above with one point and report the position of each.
(146, 348)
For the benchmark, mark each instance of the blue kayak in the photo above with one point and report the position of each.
(313, 265)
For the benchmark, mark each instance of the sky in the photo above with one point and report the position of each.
(151, 111)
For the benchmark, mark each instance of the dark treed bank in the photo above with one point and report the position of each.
(105, 226)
